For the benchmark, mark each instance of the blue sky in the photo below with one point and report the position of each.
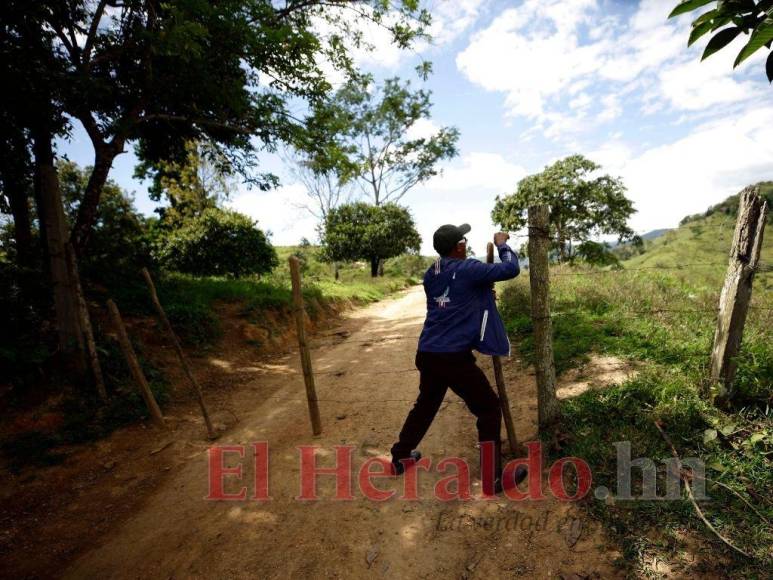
(529, 82)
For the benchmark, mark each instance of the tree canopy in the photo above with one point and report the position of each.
(199, 181)
(161, 75)
(371, 137)
(581, 205)
(731, 18)
(218, 242)
(362, 231)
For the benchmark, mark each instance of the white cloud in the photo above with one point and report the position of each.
(464, 193)
(450, 18)
(549, 56)
(610, 108)
(476, 172)
(422, 129)
(279, 212)
(716, 160)
(531, 53)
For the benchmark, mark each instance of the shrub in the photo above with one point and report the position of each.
(217, 243)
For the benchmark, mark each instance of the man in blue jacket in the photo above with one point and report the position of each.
(461, 316)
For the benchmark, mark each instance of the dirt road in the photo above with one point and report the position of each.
(366, 383)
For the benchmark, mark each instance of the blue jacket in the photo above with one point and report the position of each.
(461, 311)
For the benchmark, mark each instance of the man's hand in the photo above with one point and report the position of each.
(500, 238)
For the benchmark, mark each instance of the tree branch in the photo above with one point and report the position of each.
(93, 30)
(667, 439)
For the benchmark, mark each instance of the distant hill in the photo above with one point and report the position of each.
(705, 239)
(655, 234)
(729, 207)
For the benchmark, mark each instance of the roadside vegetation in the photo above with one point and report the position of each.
(657, 310)
(207, 262)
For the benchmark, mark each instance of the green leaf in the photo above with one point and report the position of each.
(688, 6)
(704, 17)
(709, 435)
(699, 31)
(720, 40)
(769, 67)
(717, 466)
(720, 21)
(759, 38)
(727, 429)
(757, 437)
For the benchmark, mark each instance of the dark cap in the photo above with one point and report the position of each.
(447, 236)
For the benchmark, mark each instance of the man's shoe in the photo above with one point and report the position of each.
(520, 474)
(398, 467)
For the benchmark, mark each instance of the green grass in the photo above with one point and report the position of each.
(707, 242)
(83, 417)
(191, 305)
(664, 319)
(190, 301)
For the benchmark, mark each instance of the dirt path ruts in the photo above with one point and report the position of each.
(179, 534)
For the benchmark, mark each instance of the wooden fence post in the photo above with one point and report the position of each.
(539, 280)
(180, 353)
(88, 331)
(499, 377)
(737, 290)
(308, 374)
(134, 366)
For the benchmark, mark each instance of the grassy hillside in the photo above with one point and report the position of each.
(659, 312)
(705, 241)
(190, 300)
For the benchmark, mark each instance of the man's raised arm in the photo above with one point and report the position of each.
(505, 270)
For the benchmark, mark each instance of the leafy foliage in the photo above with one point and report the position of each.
(596, 253)
(200, 181)
(367, 133)
(219, 243)
(752, 17)
(663, 323)
(729, 206)
(580, 205)
(120, 242)
(360, 231)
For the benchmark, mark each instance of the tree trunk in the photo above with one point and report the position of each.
(737, 291)
(88, 208)
(381, 267)
(539, 281)
(336, 269)
(53, 227)
(373, 267)
(15, 179)
(21, 224)
(561, 248)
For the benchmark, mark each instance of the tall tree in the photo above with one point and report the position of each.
(731, 18)
(581, 206)
(361, 231)
(377, 142)
(201, 180)
(163, 74)
(325, 188)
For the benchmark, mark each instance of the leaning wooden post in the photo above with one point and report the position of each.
(539, 280)
(180, 353)
(88, 332)
(308, 374)
(499, 377)
(737, 290)
(134, 365)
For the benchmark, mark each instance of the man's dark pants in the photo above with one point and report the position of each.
(438, 372)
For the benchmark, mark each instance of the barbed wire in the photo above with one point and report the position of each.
(545, 233)
(348, 401)
(636, 313)
(626, 270)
